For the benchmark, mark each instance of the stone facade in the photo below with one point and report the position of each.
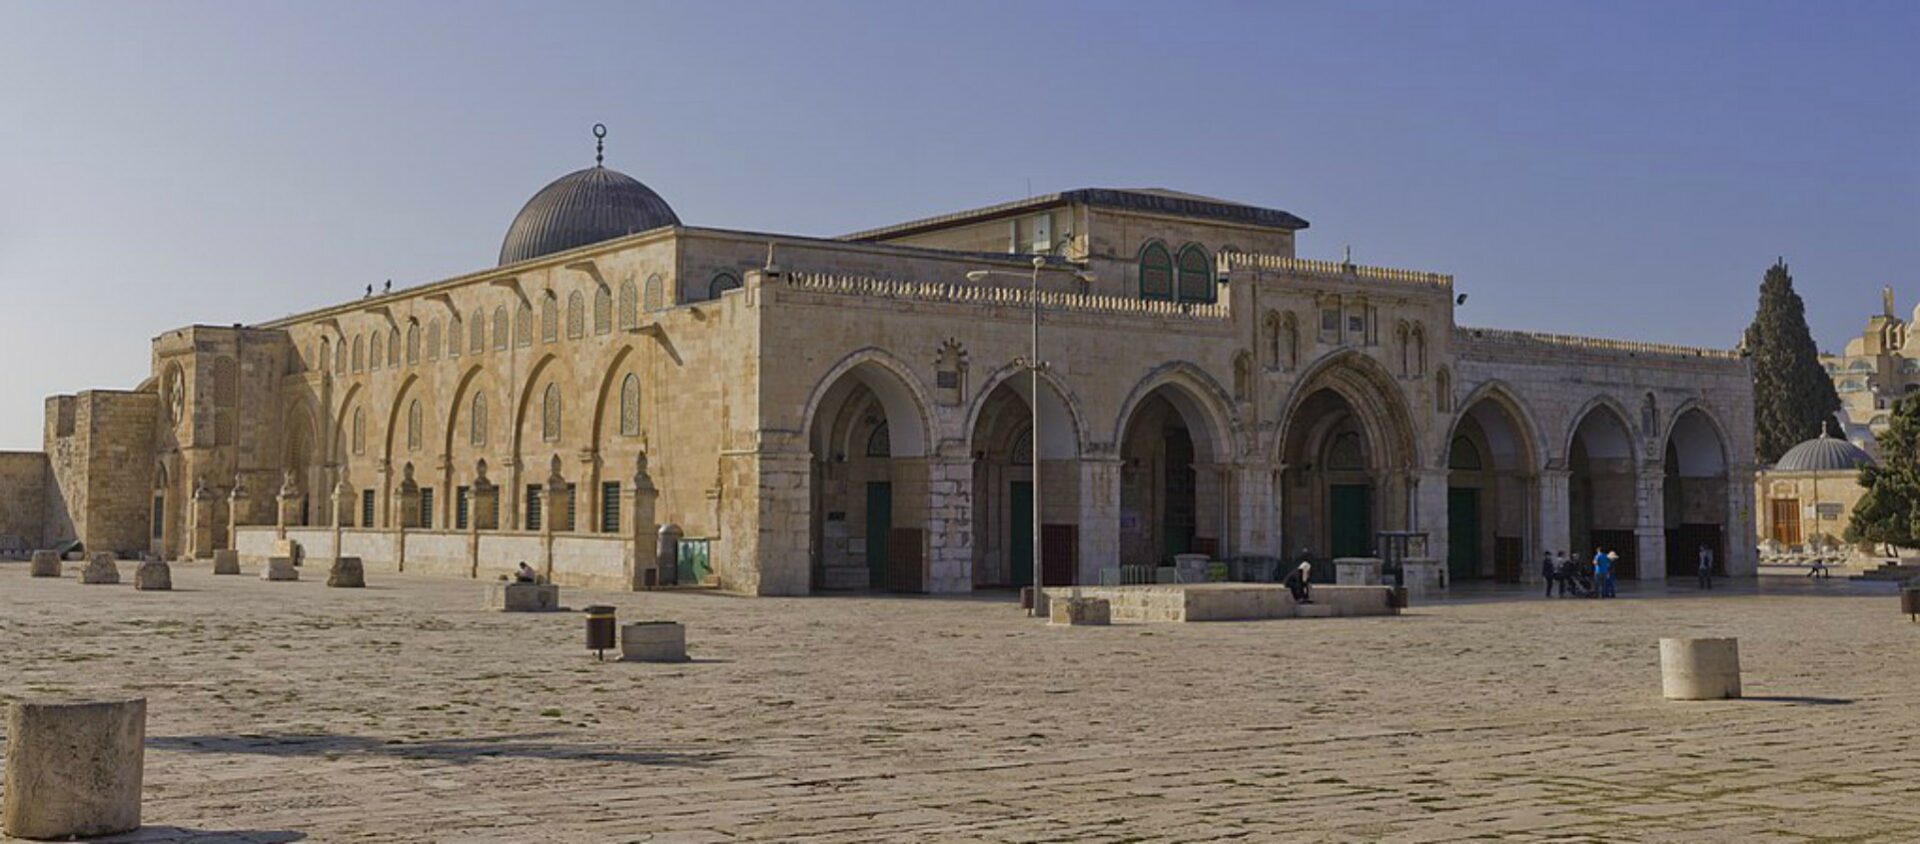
(817, 414)
(1874, 370)
(24, 485)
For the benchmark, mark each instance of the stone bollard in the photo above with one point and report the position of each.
(153, 576)
(1029, 597)
(1077, 612)
(523, 597)
(279, 568)
(653, 641)
(46, 564)
(347, 572)
(74, 769)
(1700, 669)
(101, 568)
(226, 561)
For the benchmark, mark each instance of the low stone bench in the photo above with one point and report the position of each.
(1700, 669)
(653, 641)
(46, 564)
(1076, 612)
(153, 576)
(279, 568)
(226, 561)
(523, 597)
(73, 769)
(347, 572)
(101, 569)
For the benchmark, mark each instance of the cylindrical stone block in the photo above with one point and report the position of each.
(153, 576)
(1700, 669)
(46, 564)
(347, 572)
(74, 769)
(101, 568)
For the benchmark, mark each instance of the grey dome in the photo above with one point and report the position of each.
(1824, 453)
(582, 207)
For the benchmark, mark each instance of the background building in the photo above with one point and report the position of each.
(1874, 371)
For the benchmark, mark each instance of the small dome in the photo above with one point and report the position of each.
(1825, 453)
(582, 207)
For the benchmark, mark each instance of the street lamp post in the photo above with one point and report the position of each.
(1033, 364)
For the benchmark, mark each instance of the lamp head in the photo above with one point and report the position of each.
(977, 275)
(1039, 261)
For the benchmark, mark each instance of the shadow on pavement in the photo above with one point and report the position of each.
(457, 751)
(1802, 700)
(157, 834)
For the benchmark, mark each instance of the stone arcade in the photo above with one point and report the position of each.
(817, 414)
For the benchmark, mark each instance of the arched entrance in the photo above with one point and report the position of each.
(1601, 503)
(869, 483)
(1490, 502)
(1171, 499)
(1695, 494)
(1002, 444)
(298, 462)
(1346, 455)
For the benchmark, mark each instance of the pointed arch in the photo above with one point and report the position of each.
(604, 392)
(395, 407)
(1615, 413)
(502, 329)
(576, 315)
(523, 401)
(1195, 270)
(464, 391)
(1063, 427)
(477, 332)
(413, 342)
(1375, 395)
(432, 351)
(629, 305)
(1202, 402)
(1498, 399)
(901, 394)
(1156, 271)
(602, 310)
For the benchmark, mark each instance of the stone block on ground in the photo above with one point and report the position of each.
(1080, 611)
(73, 769)
(347, 572)
(653, 641)
(1029, 597)
(290, 549)
(101, 568)
(523, 597)
(279, 568)
(153, 576)
(1357, 571)
(226, 561)
(46, 564)
(1700, 669)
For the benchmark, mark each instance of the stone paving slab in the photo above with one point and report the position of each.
(402, 712)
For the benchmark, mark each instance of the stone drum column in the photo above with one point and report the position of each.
(1700, 669)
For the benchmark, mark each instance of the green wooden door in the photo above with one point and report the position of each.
(1350, 515)
(1020, 532)
(879, 524)
(1463, 533)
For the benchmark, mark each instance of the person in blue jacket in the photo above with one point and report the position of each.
(1603, 570)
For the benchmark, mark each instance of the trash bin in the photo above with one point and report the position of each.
(600, 630)
(1910, 603)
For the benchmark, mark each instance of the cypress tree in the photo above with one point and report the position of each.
(1792, 395)
(1889, 512)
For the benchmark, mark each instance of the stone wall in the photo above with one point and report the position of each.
(24, 477)
(100, 451)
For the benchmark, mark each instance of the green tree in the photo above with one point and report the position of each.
(1792, 395)
(1889, 512)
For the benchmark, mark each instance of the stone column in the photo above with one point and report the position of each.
(342, 507)
(1650, 524)
(1256, 495)
(287, 504)
(1099, 515)
(1743, 560)
(950, 524)
(590, 475)
(1552, 507)
(236, 502)
(483, 501)
(510, 502)
(554, 497)
(200, 536)
(443, 517)
(406, 515)
(386, 504)
(642, 525)
(768, 524)
(1430, 511)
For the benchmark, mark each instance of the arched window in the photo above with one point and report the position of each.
(1271, 326)
(1022, 452)
(393, 348)
(359, 353)
(1243, 377)
(630, 406)
(880, 442)
(413, 426)
(576, 316)
(1419, 349)
(500, 328)
(454, 336)
(1462, 455)
(550, 414)
(523, 325)
(629, 306)
(476, 332)
(413, 343)
(721, 284)
(376, 350)
(1196, 274)
(1403, 338)
(656, 294)
(326, 355)
(359, 431)
(340, 356)
(1156, 272)
(549, 318)
(477, 420)
(602, 311)
(1289, 341)
(1443, 391)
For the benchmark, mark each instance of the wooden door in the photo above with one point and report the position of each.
(1786, 521)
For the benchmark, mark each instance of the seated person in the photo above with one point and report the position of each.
(1297, 583)
(524, 574)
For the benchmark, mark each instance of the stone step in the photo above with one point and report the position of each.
(1314, 611)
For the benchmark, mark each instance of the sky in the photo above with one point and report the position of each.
(1620, 169)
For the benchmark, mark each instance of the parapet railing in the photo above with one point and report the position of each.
(981, 294)
(1533, 339)
(1230, 261)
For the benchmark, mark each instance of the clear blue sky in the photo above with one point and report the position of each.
(1624, 169)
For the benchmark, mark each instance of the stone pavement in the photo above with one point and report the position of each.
(404, 712)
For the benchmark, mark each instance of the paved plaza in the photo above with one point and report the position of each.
(404, 712)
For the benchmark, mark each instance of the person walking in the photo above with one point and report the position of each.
(1564, 566)
(1548, 572)
(1603, 572)
(1706, 567)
